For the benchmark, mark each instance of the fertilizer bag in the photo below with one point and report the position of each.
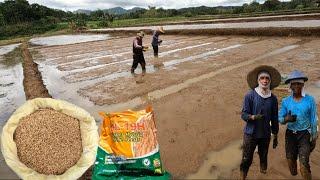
(128, 147)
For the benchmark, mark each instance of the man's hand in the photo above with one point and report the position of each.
(145, 48)
(257, 117)
(275, 141)
(290, 118)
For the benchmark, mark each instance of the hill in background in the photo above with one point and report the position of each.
(115, 10)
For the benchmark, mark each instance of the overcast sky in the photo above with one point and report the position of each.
(72, 5)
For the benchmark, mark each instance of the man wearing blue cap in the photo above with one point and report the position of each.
(299, 112)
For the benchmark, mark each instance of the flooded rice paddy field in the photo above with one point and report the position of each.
(11, 87)
(236, 25)
(67, 39)
(196, 88)
(11, 93)
(99, 72)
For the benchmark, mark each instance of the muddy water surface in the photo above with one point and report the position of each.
(67, 39)
(6, 49)
(11, 97)
(11, 86)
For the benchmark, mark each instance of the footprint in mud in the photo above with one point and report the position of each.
(6, 85)
(157, 66)
(3, 95)
(140, 81)
(219, 164)
(139, 78)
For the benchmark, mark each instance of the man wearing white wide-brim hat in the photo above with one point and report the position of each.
(156, 41)
(299, 112)
(260, 107)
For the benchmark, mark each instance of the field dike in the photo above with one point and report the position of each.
(32, 82)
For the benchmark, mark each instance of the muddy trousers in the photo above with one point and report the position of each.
(298, 145)
(138, 59)
(249, 145)
(155, 50)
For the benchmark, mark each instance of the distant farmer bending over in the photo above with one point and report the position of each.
(138, 49)
(156, 41)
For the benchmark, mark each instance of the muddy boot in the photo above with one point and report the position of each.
(243, 175)
(292, 166)
(305, 173)
(263, 169)
(132, 71)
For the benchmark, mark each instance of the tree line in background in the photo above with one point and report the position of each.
(18, 17)
(253, 7)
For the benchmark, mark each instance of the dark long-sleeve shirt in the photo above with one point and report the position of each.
(255, 104)
(155, 38)
(137, 45)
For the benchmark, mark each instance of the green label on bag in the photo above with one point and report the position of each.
(110, 166)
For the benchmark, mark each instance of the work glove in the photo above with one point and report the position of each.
(258, 117)
(290, 118)
(275, 141)
(159, 42)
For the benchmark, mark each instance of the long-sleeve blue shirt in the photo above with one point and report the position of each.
(254, 104)
(306, 112)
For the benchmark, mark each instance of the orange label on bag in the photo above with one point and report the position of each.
(128, 133)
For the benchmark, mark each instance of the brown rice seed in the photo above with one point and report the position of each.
(48, 141)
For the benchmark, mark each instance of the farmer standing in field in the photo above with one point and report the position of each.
(260, 107)
(156, 41)
(138, 49)
(299, 112)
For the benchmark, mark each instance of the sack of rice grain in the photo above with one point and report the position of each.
(128, 147)
(48, 138)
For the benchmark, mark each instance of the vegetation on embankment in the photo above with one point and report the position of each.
(12, 58)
